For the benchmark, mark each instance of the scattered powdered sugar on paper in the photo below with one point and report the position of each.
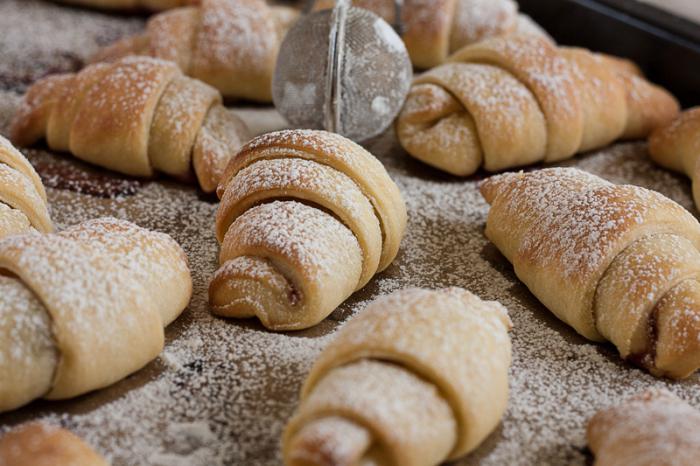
(40, 38)
(476, 20)
(222, 390)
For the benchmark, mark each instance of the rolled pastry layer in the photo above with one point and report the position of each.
(136, 116)
(433, 29)
(306, 218)
(231, 45)
(652, 428)
(676, 146)
(617, 263)
(84, 308)
(38, 444)
(517, 100)
(23, 204)
(416, 379)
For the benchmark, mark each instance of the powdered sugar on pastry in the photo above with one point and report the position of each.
(242, 382)
(239, 383)
(60, 39)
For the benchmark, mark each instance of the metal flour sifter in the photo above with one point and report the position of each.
(344, 70)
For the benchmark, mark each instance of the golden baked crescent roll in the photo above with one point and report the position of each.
(676, 146)
(231, 45)
(617, 263)
(306, 218)
(39, 444)
(434, 29)
(84, 308)
(136, 116)
(517, 100)
(23, 205)
(418, 378)
(651, 429)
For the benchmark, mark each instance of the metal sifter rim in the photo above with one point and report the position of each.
(334, 71)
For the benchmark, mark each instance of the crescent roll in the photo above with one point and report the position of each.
(231, 45)
(617, 263)
(518, 100)
(306, 219)
(420, 377)
(435, 29)
(651, 429)
(136, 116)
(676, 146)
(39, 444)
(23, 204)
(84, 308)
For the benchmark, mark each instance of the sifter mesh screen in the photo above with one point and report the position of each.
(374, 74)
(298, 87)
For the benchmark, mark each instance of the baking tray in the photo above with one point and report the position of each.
(222, 390)
(666, 46)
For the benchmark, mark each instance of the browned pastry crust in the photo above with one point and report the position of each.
(23, 205)
(517, 100)
(231, 45)
(306, 219)
(84, 308)
(436, 28)
(38, 444)
(676, 146)
(617, 263)
(654, 428)
(418, 378)
(136, 116)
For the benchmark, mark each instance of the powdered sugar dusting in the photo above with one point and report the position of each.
(235, 35)
(242, 382)
(304, 234)
(300, 174)
(545, 70)
(58, 39)
(476, 20)
(30, 357)
(504, 101)
(587, 222)
(133, 83)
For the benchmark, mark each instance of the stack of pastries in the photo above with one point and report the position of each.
(307, 218)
